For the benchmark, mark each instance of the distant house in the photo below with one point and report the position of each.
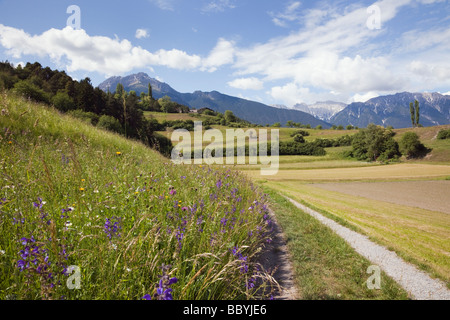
(193, 111)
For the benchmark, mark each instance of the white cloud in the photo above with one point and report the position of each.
(218, 6)
(364, 97)
(331, 52)
(91, 53)
(290, 13)
(247, 84)
(223, 53)
(292, 93)
(164, 4)
(80, 51)
(141, 33)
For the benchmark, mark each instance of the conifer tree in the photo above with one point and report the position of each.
(417, 107)
(411, 111)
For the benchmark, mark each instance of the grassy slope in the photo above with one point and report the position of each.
(86, 176)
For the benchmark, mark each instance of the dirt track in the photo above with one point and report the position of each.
(430, 195)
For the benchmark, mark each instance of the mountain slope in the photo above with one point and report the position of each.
(393, 110)
(321, 110)
(252, 111)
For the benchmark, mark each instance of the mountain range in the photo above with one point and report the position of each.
(393, 110)
(389, 110)
(321, 110)
(254, 112)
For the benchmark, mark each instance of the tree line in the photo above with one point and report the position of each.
(119, 111)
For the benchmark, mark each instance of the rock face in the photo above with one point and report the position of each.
(393, 110)
(252, 111)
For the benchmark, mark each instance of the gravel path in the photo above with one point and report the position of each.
(417, 283)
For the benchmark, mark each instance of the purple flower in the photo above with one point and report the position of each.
(163, 291)
(112, 227)
(173, 192)
(38, 204)
(244, 267)
(21, 264)
(219, 184)
(147, 297)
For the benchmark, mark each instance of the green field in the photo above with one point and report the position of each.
(413, 230)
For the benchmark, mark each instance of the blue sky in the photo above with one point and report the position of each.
(275, 52)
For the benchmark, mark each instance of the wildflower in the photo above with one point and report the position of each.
(112, 227)
(147, 297)
(163, 291)
(251, 283)
(244, 266)
(118, 153)
(179, 236)
(219, 184)
(173, 192)
(81, 189)
(39, 203)
(82, 180)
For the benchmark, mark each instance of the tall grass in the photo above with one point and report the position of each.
(73, 195)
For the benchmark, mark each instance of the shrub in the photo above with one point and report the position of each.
(301, 149)
(31, 91)
(444, 134)
(411, 146)
(300, 132)
(110, 123)
(88, 117)
(63, 102)
(373, 142)
(299, 138)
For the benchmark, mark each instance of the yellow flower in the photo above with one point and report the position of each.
(81, 189)
(9, 142)
(82, 180)
(179, 201)
(136, 192)
(118, 153)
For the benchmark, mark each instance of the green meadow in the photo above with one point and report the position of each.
(85, 208)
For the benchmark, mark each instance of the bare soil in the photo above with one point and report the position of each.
(429, 195)
(275, 258)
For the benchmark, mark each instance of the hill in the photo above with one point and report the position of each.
(252, 111)
(81, 206)
(393, 110)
